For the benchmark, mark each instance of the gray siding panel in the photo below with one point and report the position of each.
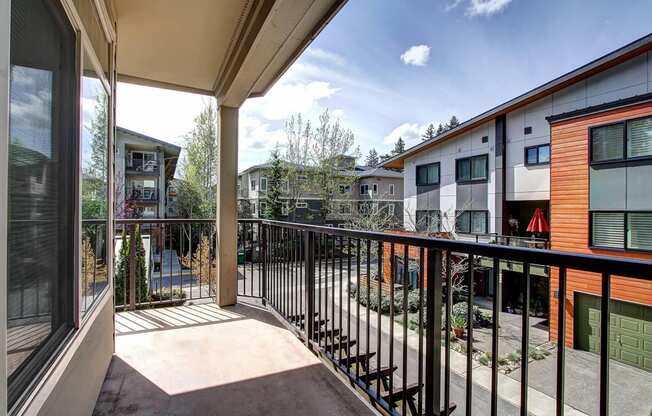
(427, 197)
(607, 188)
(639, 187)
(479, 197)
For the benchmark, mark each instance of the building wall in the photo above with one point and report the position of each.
(570, 214)
(525, 183)
(522, 183)
(467, 144)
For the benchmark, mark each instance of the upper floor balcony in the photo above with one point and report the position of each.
(142, 194)
(312, 298)
(141, 166)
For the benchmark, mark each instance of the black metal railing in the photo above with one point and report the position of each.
(250, 258)
(512, 240)
(352, 297)
(142, 166)
(163, 261)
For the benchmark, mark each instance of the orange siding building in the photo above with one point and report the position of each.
(569, 212)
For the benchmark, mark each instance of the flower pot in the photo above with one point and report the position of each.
(459, 332)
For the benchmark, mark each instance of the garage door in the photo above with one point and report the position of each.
(630, 331)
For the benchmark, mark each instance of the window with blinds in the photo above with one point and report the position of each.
(639, 137)
(471, 222)
(428, 221)
(608, 229)
(639, 230)
(607, 142)
(472, 168)
(428, 174)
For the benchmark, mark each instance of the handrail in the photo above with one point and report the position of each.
(619, 266)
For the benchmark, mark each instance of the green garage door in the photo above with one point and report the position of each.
(630, 333)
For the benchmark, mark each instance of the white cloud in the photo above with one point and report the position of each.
(486, 7)
(450, 6)
(410, 132)
(417, 55)
(290, 98)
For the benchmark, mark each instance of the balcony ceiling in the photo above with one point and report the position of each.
(232, 49)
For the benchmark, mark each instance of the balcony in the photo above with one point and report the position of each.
(141, 167)
(142, 195)
(306, 304)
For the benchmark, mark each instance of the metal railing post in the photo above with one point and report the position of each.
(132, 267)
(433, 331)
(263, 244)
(309, 262)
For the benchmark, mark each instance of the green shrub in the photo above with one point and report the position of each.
(502, 361)
(479, 318)
(413, 301)
(485, 359)
(538, 353)
(514, 356)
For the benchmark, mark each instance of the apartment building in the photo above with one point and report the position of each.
(580, 148)
(372, 190)
(144, 172)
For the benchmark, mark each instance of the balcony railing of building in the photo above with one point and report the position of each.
(320, 280)
(142, 194)
(512, 240)
(141, 166)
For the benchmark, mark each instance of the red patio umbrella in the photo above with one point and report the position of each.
(538, 223)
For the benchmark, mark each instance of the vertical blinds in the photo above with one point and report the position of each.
(608, 229)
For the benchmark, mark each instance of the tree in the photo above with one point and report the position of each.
(196, 195)
(296, 159)
(330, 145)
(121, 281)
(372, 159)
(275, 177)
(454, 122)
(95, 169)
(440, 129)
(429, 133)
(399, 147)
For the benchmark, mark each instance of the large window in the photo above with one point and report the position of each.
(631, 139)
(41, 189)
(428, 174)
(94, 184)
(621, 230)
(537, 155)
(471, 169)
(471, 222)
(428, 221)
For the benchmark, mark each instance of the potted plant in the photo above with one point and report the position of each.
(458, 323)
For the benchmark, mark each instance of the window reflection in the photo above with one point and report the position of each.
(94, 187)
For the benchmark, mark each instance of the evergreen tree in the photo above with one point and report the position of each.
(274, 204)
(430, 133)
(440, 129)
(399, 147)
(454, 122)
(121, 281)
(372, 158)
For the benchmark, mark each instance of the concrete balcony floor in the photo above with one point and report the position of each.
(205, 360)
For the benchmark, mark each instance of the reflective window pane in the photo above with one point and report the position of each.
(94, 186)
(544, 154)
(607, 143)
(41, 196)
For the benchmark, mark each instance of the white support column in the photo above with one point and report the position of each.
(227, 214)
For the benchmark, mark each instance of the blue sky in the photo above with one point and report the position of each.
(467, 56)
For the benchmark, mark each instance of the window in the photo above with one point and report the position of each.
(345, 189)
(42, 196)
(391, 189)
(263, 207)
(485, 139)
(428, 174)
(390, 209)
(527, 130)
(141, 161)
(428, 221)
(302, 205)
(375, 188)
(537, 155)
(253, 184)
(345, 208)
(94, 185)
(364, 189)
(263, 184)
(621, 230)
(471, 222)
(285, 208)
(631, 139)
(471, 168)
(363, 208)
(286, 186)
